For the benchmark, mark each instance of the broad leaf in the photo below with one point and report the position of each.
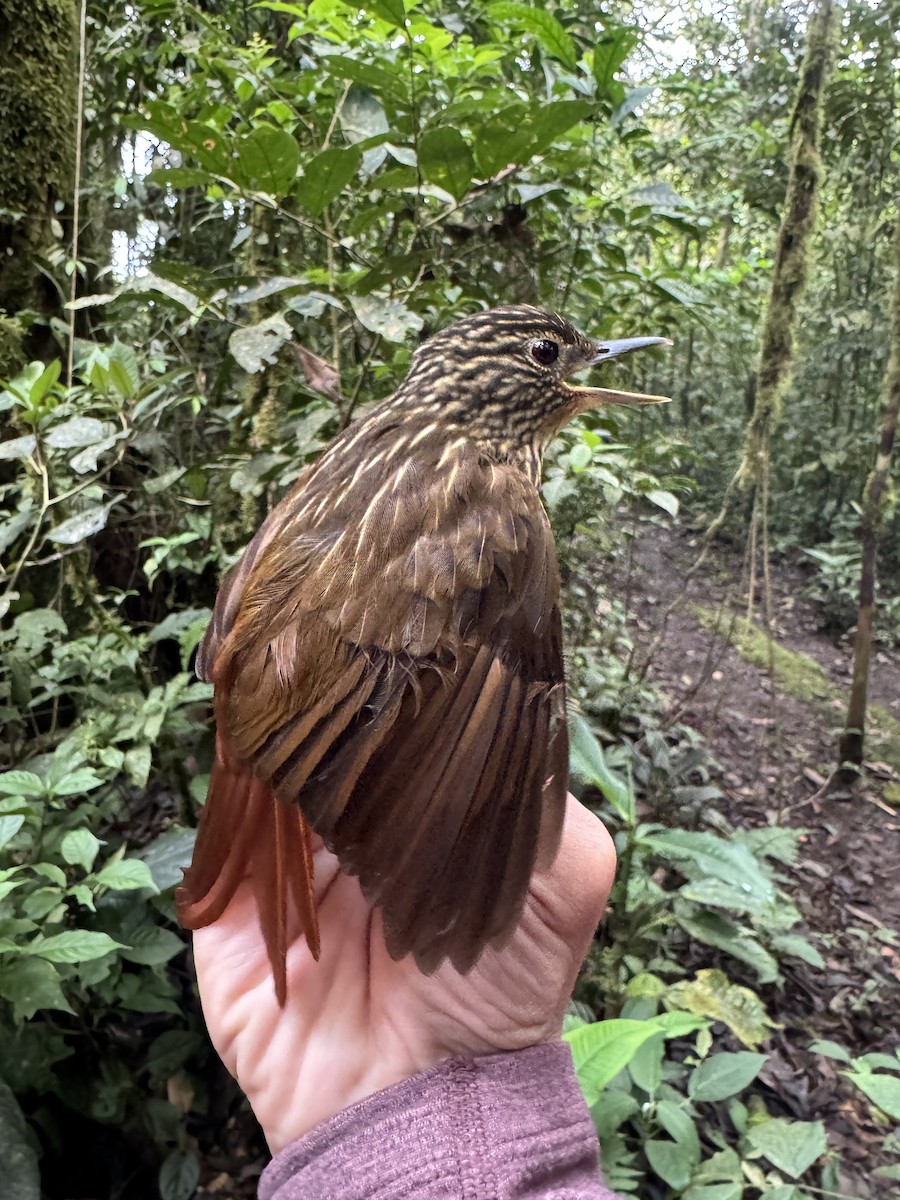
(19, 447)
(711, 994)
(446, 160)
(31, 984)
(79, 847)
(600, 1051)
(77, 945)
(179, 1175)
(882, 1090)
(77, 431)
(671, 1161)
(257, 345)
(389, 318)
(724, 1075)
(21, 783)
(588, 762)
(326, 175)
(10, 825)
(82, 526)
(541, 24)
(266, 160)
(609, 53)
(388, 10)
(169, 856)
(791, 1146)
(126, 875)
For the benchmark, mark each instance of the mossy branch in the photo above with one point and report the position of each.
(791, 269)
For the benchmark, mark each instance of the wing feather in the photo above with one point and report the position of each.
(401, 681)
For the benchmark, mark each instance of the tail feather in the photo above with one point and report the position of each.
(245, 832)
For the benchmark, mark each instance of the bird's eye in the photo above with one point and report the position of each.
(545, 352)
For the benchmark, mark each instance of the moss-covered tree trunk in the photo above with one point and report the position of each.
(38, 80)
(874, 499)
(791, 268)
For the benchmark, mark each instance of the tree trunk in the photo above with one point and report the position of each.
(37, 142)
(791, 260)
(874, 498)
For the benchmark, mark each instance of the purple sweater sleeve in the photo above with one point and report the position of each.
(503, 1127)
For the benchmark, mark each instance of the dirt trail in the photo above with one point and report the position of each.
(773, 750)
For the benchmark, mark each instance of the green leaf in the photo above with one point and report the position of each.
(882, 1090)
(50, 871)
(77, 945)
(31, 984)
(714, 1191)
(517, 133)
(795, 946)
(325, 176)
(152, 945)
(715, 930)
(47, 379)
(389, 318)
(600, 1051)
(21, 783)
(256, 345)
(81, 526)
(717, 859)
(266, 160)
(10, 826)
(712, 994)
(21, 1177)
(79, 847)
(588, 762)
(541, 24)
(609, 53)
(791, 1146)
(611, 1109)
(77, 431)
(663, 500)
(393, 11)
(830, 1050)
(679, 1124)
(724, 1075)
(671, 1162)
(362, 119)
(126, 875)
(645, 1067)
(679, 1024)
(169, 855)
(446, 160)
(76, 783)
(179, 1175)
(377, 79)
(19, 447)
(170, 1051)
(164, 287)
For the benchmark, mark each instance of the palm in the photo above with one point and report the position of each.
(357, 1021)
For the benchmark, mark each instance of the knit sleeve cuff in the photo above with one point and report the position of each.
(502, 1126)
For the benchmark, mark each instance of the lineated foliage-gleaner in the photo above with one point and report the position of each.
(387, 656)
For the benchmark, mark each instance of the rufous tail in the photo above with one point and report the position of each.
(245, 832)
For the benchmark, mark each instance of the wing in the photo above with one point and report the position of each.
(399, 677)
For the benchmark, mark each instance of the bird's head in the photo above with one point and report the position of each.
(501, 374)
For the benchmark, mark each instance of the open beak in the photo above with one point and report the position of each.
(590, 396)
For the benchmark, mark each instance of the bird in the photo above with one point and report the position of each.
(387, 660)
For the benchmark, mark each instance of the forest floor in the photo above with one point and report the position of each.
(774, 746)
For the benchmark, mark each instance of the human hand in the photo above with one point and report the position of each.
(357, 1021)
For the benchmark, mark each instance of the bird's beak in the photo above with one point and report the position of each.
(589, 397)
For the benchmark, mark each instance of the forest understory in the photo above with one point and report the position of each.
(774, 751)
